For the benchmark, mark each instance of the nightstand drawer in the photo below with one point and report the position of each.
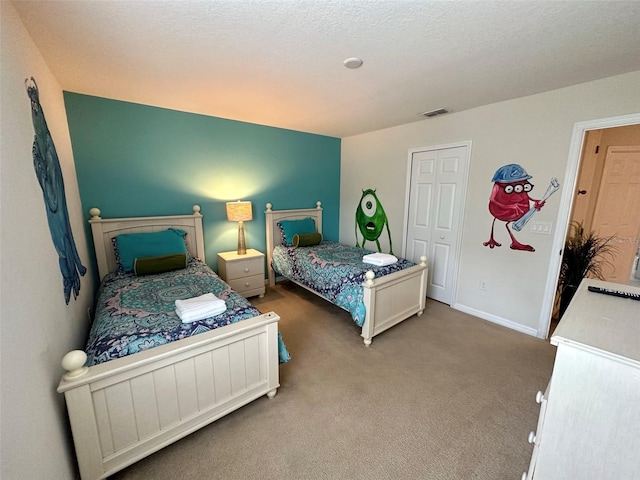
(244, 268)
(242, 285)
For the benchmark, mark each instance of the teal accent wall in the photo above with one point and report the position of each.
(137, 160)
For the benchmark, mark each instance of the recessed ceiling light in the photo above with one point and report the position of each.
(353, 62)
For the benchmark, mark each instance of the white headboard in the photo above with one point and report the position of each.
(274, 236)
(104, 229)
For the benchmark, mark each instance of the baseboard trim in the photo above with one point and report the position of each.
(495, 319)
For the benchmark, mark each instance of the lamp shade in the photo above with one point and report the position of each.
(239, 211)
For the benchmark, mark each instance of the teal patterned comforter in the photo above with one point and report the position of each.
(135, 313)
(333, 270)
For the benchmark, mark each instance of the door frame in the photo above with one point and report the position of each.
(566, 204)
(463, 200)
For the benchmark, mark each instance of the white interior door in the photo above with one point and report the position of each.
(437, 182)
(618, 209)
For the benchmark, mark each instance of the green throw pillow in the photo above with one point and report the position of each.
(159, 264)
(306, 239)
(289, 228)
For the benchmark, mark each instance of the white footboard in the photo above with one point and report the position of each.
(393, 298)
(123, 410)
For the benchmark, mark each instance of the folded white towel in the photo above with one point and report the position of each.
(199, 308)
(190, 317)
(380, 259)
(195, 302)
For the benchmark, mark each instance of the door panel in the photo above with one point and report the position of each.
(420, 204)
(445, 203)
(424, 206)
(439, 276)
(420, 248)
(434, 213)
(450, 165)
(618, 209)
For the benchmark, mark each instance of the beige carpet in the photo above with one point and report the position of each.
(441, 396)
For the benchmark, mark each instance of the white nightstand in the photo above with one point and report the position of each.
(244, 273)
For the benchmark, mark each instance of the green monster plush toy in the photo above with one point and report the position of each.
(371, 219)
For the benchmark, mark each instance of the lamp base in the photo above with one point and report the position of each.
(242, 246)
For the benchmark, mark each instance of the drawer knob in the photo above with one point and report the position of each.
(539, 397)
(246, 270)
(532, 437)
(246, 284)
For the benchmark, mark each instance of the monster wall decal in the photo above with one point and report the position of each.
(510, 202)
(371, 219)
(49, 174)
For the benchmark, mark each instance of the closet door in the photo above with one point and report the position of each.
(437, 183)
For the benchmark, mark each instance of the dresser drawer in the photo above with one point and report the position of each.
(535, 437)
(244, 268)
(242, 285)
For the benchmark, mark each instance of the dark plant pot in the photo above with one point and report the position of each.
(568, 291)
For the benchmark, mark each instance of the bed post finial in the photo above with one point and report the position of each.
(196, 211)
(74, 362)
(269, 206)
(319, 205)
(95, 213)
(369, 276)
(423, 261)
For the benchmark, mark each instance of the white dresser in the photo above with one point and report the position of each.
(589, 425)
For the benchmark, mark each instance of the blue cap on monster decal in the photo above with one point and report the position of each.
(510, 173)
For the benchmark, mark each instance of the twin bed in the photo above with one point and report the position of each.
(377, 297)
(151, 379)
(132, 405)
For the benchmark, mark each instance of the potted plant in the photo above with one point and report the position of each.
(585, 255)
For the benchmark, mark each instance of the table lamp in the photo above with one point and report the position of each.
(240, 212)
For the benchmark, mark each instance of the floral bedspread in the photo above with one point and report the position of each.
(135, 313)
(333, 270)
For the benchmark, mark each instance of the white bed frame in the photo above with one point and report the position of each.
(388, 300)
(123, 410)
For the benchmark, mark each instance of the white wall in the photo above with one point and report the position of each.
(534, 132)
(36, 326)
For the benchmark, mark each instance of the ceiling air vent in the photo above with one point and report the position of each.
(435, 113)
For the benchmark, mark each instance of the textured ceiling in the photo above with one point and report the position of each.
(279, 62)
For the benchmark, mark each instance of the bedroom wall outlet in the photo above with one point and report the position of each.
(483, 285)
